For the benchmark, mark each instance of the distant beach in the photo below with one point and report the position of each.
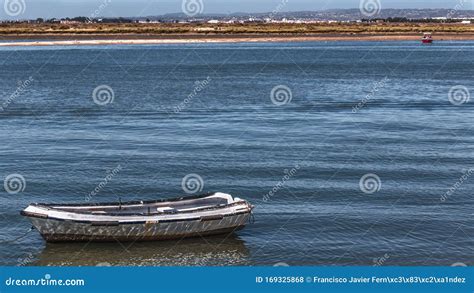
(75, 40)
(47, 34)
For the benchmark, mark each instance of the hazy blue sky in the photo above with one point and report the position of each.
(62, 8)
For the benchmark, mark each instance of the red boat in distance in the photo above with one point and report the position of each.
(427, 38)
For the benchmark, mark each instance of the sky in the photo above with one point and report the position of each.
(112, 8)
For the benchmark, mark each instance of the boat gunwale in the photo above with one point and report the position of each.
(244, 202)
(173, 199)
(96, 222)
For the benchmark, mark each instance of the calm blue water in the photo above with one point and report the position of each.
(228, 131)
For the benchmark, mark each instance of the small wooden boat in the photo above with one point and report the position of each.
(191, 216)
(427, 38)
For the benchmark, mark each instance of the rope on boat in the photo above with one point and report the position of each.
(252, 218)
(18, 238)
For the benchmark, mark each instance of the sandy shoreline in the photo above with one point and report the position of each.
(76, 40)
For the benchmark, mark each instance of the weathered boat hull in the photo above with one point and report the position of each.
(63, 231)
(176, 218)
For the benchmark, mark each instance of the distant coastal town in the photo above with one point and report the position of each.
(326, 16)
(275, 26)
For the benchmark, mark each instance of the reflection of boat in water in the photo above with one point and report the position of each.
(427, 38)
(209, 251)
(191, 216)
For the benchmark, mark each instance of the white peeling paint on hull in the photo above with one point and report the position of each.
(57, 231)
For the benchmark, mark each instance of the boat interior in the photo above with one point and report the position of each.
(157, 207)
